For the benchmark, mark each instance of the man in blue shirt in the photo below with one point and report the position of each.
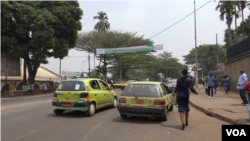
(210, 83)
(241, 86)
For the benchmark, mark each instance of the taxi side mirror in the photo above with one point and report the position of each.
(111, 88)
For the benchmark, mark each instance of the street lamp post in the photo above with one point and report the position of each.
(60, 71)
(196, 72)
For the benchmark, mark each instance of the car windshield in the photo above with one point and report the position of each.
(71, 86)
(171, 82)
(142, 90)
(129, 82)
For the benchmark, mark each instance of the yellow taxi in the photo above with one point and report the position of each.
(126, 83)
(145, 99)
(84, 94)
(171, 84)
(118, 84)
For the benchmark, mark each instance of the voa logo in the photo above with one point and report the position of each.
(236, 132)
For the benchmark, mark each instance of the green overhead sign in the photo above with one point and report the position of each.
(147, 48)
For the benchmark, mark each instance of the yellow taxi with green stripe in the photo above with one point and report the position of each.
(86, 95)
(118, 84)
(146, 99)
(126, 83)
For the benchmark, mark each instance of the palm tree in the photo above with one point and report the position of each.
(236, 16)
(225, 8)
(103, 24)
(242, 5)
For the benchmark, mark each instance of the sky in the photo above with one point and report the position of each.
(149, 18)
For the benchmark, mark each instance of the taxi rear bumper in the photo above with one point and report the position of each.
(81, 105)
(142, 111)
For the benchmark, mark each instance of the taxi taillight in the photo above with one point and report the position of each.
(55, 94)
(122, 100)
(84, 95)
(159, 102)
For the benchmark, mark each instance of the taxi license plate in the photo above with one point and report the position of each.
(139, 101)
(67, 105)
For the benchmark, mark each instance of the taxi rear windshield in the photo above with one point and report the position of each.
(71, 86)
(142, 90)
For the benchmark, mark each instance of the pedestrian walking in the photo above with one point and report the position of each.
(112, 83)
(30, 91)
(203, 81)
(15, 86)
(210, 84)
(44, 87)
(226, 82)
(147, 79)
(247, 88)
(11, 89)
(215, 84)
(182, 86)
(241, 86)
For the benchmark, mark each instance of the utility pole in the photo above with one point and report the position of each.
(94, 65)
(196, 72)
(89, 65)
(60, 71)
(217, 58)
(120, 70)
(6, 75)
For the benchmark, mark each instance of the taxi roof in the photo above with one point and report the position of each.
(79, 79)
(146, 82)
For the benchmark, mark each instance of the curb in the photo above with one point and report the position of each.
(218, 116)
(25, 97)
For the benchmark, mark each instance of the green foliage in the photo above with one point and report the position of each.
(206, 57)
(36, 30)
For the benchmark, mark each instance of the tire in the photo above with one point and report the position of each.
(122, 88)
(171, 108)
(114, 102)
(123, 116)
(58, 112)
(164, 118)
(91, 109)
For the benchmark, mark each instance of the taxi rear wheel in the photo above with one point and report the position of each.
(114, 102)
(91, 109)
(58, 112)
(171, 108)
(164, 118)
(123, 116)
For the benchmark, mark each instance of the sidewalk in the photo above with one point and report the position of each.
(225, 107)
(27, 96)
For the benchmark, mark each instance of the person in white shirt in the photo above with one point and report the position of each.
(241, 86)
(147, 79)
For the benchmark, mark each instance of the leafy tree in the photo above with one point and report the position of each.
(207, 57)
(36, 30)
(103, 24)
(5, 23)
(242, 5)
(225, 8)
(93, 40)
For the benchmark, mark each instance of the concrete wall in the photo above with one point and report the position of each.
(233, 71)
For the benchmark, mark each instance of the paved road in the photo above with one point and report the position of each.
(32, 119)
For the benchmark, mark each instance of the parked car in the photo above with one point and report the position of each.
(171, 84)
(145, 99)
(126, 83)
(86, 95)
(118, 84)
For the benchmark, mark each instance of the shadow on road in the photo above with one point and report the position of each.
(172, 126)
(78, 114)
(137, 120)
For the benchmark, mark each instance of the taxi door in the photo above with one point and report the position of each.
(106, 93)
(97, 93)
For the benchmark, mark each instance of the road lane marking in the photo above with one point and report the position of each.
(108, 114)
